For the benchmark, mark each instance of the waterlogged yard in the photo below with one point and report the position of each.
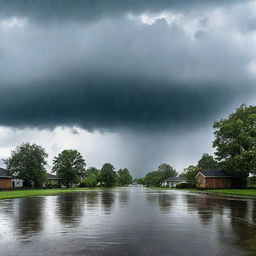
(128, 221)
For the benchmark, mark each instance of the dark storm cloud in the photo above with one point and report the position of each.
(119, 72)
(90, 9)
(92, 105)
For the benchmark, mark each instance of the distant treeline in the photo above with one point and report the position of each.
(27, 162)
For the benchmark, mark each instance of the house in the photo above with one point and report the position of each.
(5, 180)
(214, 179)
(53, 180)
(172, 182)
(17, 183)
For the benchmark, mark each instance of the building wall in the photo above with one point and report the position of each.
(200, 181)
(6, 183)
(213, 183)
(218, 183)
(17, 183)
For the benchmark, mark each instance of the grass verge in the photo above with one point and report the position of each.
(234, 192)
(39, 192)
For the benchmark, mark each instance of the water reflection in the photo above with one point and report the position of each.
(28, 216)
(107, 200)
(128, 222)
(123, 197)
(70, 208)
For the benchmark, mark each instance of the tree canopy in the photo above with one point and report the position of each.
(27, 162)
(107, 175)
(205, 162)
(124, 177)
(235, 142)
(69, 165)
(91, 177)
(155, 178)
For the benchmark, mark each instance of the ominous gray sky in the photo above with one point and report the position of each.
(134, 83)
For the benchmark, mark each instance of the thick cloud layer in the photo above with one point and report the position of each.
(133, 71)
(52, 10)
(156, 74)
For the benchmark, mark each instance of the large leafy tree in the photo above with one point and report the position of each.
(207, 162)
(189, 174)
(27, 162)
(166, 171)
(69, 165)
(108, 175)
(91, 177)
(235, 142)
(155, 178)
(124, 177)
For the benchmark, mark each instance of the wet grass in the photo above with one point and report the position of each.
(39, 192)
(234, 192)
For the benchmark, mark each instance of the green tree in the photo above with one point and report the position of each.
(166, 171)
(91, 177)
(69, 165)
(108, 175)
(207, 162)
(27, 162)
(124, 177)
(189, 174)
(156, 178)
(235, 142)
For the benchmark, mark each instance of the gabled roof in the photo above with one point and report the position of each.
(174, 179)
(52, 177)
(215, 173)
(3, 173)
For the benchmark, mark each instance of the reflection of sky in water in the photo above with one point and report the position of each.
(137, 221)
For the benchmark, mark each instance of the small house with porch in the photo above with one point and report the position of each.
(214, 179)
(172, 182)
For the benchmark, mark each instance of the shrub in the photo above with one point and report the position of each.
(185, 185)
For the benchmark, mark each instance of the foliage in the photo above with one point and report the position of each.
(124, 177)
(91, 177)
(185, 185)
(207, 162)
(235, 142)
(190, 173)
(156, 178)
(107, 175)
(69, 165)
(27, 163)
(139, 181)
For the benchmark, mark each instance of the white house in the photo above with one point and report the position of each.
(172, 182)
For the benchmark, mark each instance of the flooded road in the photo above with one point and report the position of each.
(128, 221)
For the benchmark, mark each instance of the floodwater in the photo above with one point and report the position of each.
(128, 221)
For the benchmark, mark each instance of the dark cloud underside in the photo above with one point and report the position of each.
(110, 103)
(45, 10)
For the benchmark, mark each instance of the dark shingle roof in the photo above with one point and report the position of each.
(52, 177)
(215, 173)
(174, 179)
(3, 173)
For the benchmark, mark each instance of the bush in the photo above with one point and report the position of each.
(82, 185)
(185, 185)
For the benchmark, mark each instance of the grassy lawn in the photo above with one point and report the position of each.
(39, 192)
(238, 192)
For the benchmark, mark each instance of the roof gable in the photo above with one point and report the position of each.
(4, 173)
